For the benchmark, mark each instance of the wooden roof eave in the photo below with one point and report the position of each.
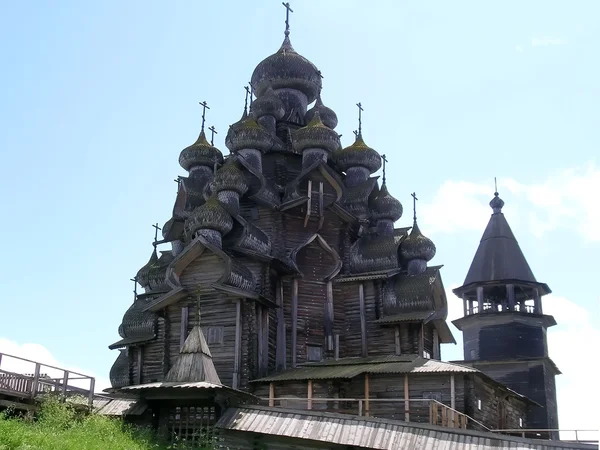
(167, 299)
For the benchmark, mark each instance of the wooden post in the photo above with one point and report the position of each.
(271, 394)
(480, 299)
(138, 375)
(510, 294)
(308, 203)
(261, 341)
(184, 326)
(329, 319)
(363, 320)
(436, 344)
(360, 407)
(421, 341)
(65, 382)
(406, 400)
(537, 302)
(91, 394)
(280, 350)
(294, 320)
(237, 351)
(452, 398)
(397, 339)
(336, 352)
(367, 394)
(265, 322)
(36, 379)
(309, 395)
(465, 309)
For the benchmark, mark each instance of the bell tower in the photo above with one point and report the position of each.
(504, 326)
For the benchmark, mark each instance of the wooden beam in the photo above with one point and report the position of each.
(510, 293)
(91, 394)
(280, 342)
(138, 374)
(363, 320)
(406, 400)
(321, 199)
(480, 299)
(436, 344)
(336, 351)
(452, 398)
(465, 308)
(366, 394)
(65, 382)
(36, 379)
(184, 325)
(308, 203)
(271, 394)
(397, 339)
(329, 319)
(309, 394)
(237, 351)
(537, 301)
(261, 341)
(421, 342)
(294, 320)
(18, 405)
(265, 321)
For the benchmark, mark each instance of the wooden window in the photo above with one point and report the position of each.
(214, 335)
(314, 352)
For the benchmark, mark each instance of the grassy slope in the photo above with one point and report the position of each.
(59, 427)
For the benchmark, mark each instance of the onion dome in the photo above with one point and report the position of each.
(119, 372)
(358, 154)
(287, 69)
(268, 105)
(417, 246)
(138, 323)
(316, 135)
(143, 275)
(328, 116)
(384, 206)
(248, 133)
(211, 215)
(200, 153)
(496, 203)
(229, 178)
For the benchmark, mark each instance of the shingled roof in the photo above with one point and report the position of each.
(499, 257)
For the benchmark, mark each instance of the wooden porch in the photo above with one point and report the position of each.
(21, 388)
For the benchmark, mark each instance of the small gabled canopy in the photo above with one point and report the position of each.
(499, 257)
(194, 362)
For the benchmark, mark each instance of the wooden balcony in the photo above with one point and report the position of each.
(19, 388)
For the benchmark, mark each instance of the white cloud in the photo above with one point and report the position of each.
(571, 345)
(564, 200)
(39, 353)
(519, 48)
(545, 41)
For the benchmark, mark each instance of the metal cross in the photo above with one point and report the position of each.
(288, 10)
(248, 93)
(213, 131)
(495, 186)
(355, 133)
(204, 108)
(360, 110)
(156, 228)
(134, 279)
(384, 161)
(250, 84)
(414, 196)
(320, 75)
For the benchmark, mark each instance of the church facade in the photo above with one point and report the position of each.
(286, 283)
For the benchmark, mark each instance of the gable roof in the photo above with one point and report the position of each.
(194, 362)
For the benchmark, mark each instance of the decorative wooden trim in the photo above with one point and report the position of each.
(363, 320)
(294, 320)
(323, 243)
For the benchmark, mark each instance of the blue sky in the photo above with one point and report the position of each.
(99, 98)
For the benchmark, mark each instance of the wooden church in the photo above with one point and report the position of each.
(287, 292)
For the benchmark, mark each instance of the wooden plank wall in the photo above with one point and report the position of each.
(152, 356)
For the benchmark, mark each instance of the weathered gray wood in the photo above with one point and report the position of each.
(329, 317)
(294, 321)
(537, 301)
(36, 379)
(436, 344)
(280, 345)
(308, 203)
(138, 372)
(238, 344)
(397, 340)
(260, 339)
(183, 325)
(406, 399)
(510, 291)
(65, 382)
(421, 338)
(336, 354)
(480, 299)
(265, 336)
(465, 306)
(363, 320)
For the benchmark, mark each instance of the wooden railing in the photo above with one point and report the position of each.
(33, 379)
(420, 410)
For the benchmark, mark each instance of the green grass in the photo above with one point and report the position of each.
(59, 426)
